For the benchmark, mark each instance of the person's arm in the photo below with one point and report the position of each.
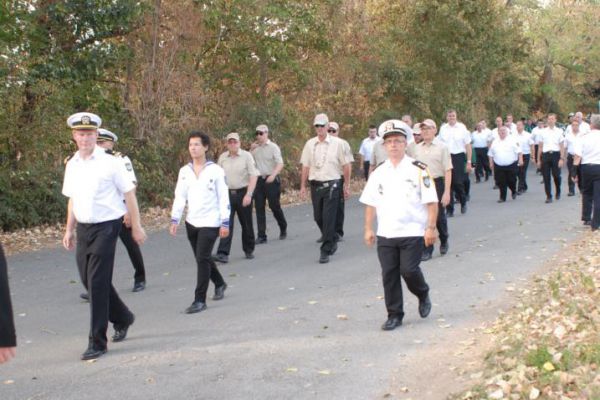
(8, 337)
(369, 232)
(347, 175)
(137, 232)
(469, 149)
(430, 231)
(69, 237)
(251, 186)
(178, 203)
(303, 179)
(562, 151)
(224, 205)
(540, 151)
(275, 172)
(447, 186)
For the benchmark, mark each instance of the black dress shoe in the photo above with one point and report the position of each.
(196, 306)
(139, 286)
(548, 200)
(222, 258)
(500, 201)
(514, 196)
(261, 240)
(571, 194)
(85, 296)
(450, 214)
(282, 235)
(121, 330)
(424, 307)
(391, 323)
(426, 256)
(249, 256)
(333, 249)
(444, 248)
(463, 209)
(320, 240)
(587, 223)
(495, 187)
(557, 197)
(219, 292)
(324, 259)
(92, 354)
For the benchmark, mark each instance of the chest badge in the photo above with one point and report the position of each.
(427, 181)
(380, 189)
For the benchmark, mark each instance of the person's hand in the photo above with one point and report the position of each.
(127, 220)
(430, 236)
(69, 240)
(346, 192)
(6, 353)
(445, 199)
(246, 200)
(575, 178)
(469, 168)
(138, 234)
(303, 192)
(539, 164)
(560, 163)
(223, 232)
(173, 229)
(270, 179)
(369, 237)
(519, 164)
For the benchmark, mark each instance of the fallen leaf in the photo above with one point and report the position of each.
(548, 366)
(312, 302)
(534, 393)
(291, 369)
(342, 317)
(8, 382)
(325, 372)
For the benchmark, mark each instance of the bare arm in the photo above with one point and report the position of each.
(251, 186)
(69, 237)
(447, 185)
(303, 179)
(138, 233)
(347, 175)
(469, 149)
(369, 233)
(430, 232)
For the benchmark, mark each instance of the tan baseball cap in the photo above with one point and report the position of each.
(430, 123)
(233, 135)
(321, 119)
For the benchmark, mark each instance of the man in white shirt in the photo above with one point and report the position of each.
(587, 156)
(510, 124)
(494, 132)
(366, 148)
(535, 135)
(457, 138)
(571, 137)
(526, 142)
(551, 156)
(584, 127)
(481, 141)
(506, 157)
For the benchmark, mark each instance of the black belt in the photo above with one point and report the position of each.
(240, 190)
(550, 152)
(324, 184)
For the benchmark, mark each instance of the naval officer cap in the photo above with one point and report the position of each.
(104, 135)
(84, 120)
(395, 127)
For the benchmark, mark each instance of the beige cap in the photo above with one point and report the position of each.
(417, 128)
(334, 125)
(430, 123)
(321, 119)
(233, 135)
(262, 128)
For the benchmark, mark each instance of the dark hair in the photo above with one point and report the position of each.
(372, 126)
(204, 138)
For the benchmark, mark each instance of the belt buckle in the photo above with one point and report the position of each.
(325, 184)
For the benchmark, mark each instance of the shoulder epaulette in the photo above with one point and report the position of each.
(420, 164)
(109, 151)
(119, 154)
(67, 158)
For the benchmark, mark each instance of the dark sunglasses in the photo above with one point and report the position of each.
(331, 130)
(319, 126)
(259, 133)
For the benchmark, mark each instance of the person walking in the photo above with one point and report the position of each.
(8, 336)
(587, 157)
(366, 149)
(551, 156)
(525, 140)
(506, 157)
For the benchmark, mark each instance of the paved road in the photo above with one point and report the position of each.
(277, 334)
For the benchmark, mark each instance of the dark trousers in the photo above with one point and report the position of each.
(506, 177)
(339, 221)
(135, 254)
(458, 180)
(325, 198)
(366, 167)
(95, 257)
(522, 185)
(483, 163)
(590, 191)
(550, 161)
(570, 159)
(8, 337)
(270, 192)
(400, 258)
(245, 217)
(442, 222)
(202, 241)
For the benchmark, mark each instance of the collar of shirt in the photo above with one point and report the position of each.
(268, 142)
(98, 151)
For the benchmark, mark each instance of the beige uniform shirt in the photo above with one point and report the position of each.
(347, 154)
(267, 156)
(378, 155)
(435, 155)
(324, 159)
(238, 169)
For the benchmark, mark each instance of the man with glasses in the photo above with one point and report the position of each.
(268, 186)
(402, 195)
(322, 158)
(334, 130)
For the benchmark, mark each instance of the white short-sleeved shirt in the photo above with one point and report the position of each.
(206, 196)
(400, 196)
(570, 140)
(480, 139)
(584, 128)
(504, 151)
(455, 137)
(366, 147)
(588, 147)
(96, 186)
(551, 138)
(525, 140)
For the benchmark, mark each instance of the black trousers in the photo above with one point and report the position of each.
(202, 240)
(506, 177)
(483, 163)
(325, 198)
(95, 257)
(522, 185)
(270, 192)
(339, 221)
(590, 191)
(400, 258)
(458, 180)
(442, 222)
(550, 161)
(570, 159)
(366, 167)
(8, 337)
(245, 217)
(135, 254)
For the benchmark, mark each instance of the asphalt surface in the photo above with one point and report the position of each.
(288, 328)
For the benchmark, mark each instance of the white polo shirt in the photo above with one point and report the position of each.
(96, 186)
(206, 195)
(455, 137)
(536, 133)
(480, 139)
(400, 195)
(551, 138)
(366, 147)
(525, 140)
(588, 147)
(584, 128)
(505, 151)
(570, 140)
